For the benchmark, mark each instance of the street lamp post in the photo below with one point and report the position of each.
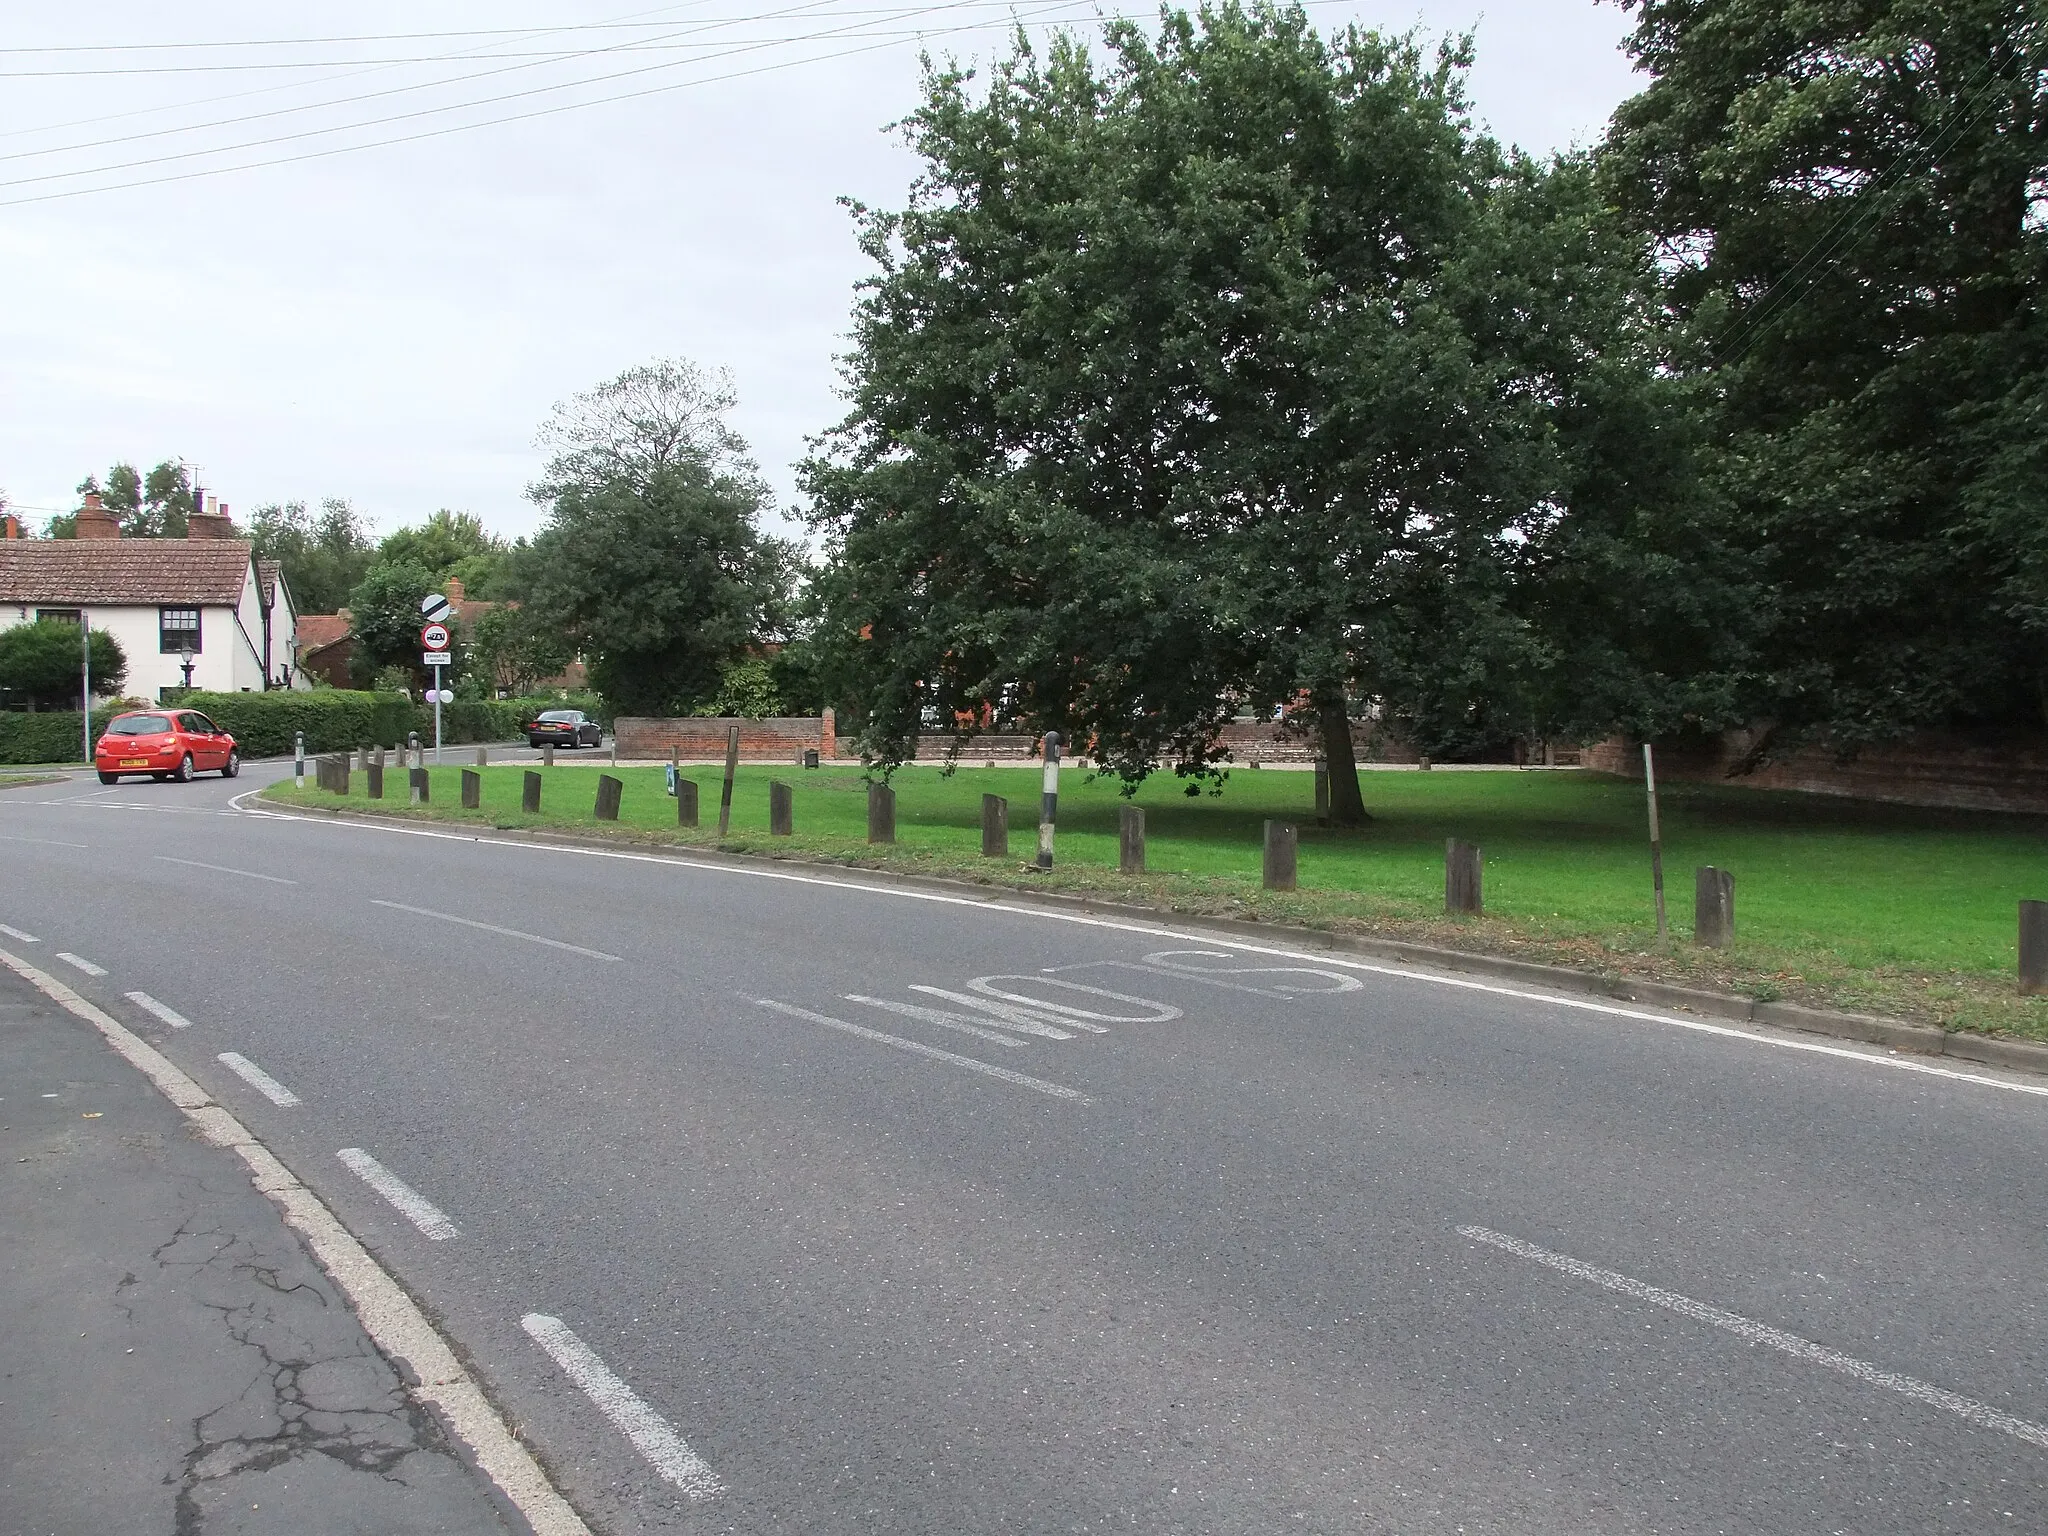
(185, 660)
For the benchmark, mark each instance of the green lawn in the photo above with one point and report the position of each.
(1894, 909)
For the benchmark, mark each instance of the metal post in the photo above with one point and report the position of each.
(85, 659)
(1049, 799)
(437, 714)
(1656, 837)
(298, 759)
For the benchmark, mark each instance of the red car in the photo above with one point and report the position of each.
(165, 744)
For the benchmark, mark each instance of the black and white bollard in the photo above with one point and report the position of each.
(298, 759)
(1049, 799)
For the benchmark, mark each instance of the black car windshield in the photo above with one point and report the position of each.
(139, 725)
(564, 716)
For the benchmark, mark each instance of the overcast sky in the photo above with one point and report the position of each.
(391, 324)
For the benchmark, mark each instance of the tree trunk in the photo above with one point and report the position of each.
(1347, 805)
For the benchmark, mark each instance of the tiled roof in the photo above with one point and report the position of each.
(114, 571)
(266, 578)
(317, 630)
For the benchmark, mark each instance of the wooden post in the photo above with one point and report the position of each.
(472, 789)
(1713, 907)
(375, 773)
(608, 790)
(732, 764)
(1280, 855)
(1464, 878)
(810, 757)
(1656, 837)
(547, 754)
(1322, 791)
(881, 814)
(529, 794)
(686, 802)
(341, 774)
(1130, 840)
(2033, 947)
(422, 787)
(995, 827)
(483, 756)
(377, 761)
(781, 814)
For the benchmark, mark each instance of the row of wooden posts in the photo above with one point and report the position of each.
(1464, 864)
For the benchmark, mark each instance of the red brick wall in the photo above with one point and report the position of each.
(1922, 770)
(761, 741)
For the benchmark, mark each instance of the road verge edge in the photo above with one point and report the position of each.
(389, 1315)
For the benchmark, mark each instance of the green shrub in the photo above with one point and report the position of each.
(48, 736)
(334, 719)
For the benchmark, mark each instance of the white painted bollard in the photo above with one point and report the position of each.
(1049, 799)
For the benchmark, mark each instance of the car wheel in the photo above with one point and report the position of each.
(232, 766)
(110, 778)
(184, 773)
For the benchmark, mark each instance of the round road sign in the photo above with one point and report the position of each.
(434, 637)
(434, 607)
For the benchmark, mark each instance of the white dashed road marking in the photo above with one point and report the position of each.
(258, 1079)
(83, 964)
(16, 933)
(223, 869)
(413, 1205)
(1981, 1414)
(510, 933)
(47, 842)
(148, 1004)
(917, 1048)
(650, 1433)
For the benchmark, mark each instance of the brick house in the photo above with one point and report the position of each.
(205, 595)
(327, 641)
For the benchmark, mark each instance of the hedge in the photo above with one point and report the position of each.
(49, 736)
(264, 724)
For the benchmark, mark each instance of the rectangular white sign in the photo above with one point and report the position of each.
(436, 658)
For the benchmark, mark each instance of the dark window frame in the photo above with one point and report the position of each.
(61, 615)
(168, 635)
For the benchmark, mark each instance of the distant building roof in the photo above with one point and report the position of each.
(320, 630)
(203, 572)
(266, 578)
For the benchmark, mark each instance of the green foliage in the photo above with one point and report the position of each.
(448, 544)
(41, 664)
(324, 556)
(384, 611)
(652, 565)
(48, 736)
(1243, 370)
(152, 506)
(512, 648)
(746, 690)
(1848, 200)
(334, 719)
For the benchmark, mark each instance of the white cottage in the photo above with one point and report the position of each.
(204, 598)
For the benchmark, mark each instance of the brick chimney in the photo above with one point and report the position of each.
(210, 525)
(94, 521)
(10, 526)
(455, 590)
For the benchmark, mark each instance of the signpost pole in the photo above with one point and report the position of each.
(85, 658)
(437, 714)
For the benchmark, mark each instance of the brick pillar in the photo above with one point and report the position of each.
(828, 736)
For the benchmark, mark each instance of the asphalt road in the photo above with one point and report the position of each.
(1264, 1249)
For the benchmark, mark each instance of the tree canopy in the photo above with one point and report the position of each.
(41, 665)
(323, 555)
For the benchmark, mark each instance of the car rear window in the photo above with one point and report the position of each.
(139, 725)
(565, 716)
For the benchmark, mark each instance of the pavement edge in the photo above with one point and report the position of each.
(390, 1316)
(1895, 1034)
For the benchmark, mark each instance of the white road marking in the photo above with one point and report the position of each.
(510, 933)
(1161, 1013)
(47, 842)
(170, 1016)
(387, 1313)
(1864, 1058)
(1981, 1414)
(926, 1050)
(16, 933)
(651, 1434)
(940, 1017)
(1010, 1015)
(83, 964)
(223, 869)
(258, 1079)
(414, 1206)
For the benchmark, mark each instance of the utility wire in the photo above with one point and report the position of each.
(1039, 15)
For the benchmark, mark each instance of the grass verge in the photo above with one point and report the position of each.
(1894, 910)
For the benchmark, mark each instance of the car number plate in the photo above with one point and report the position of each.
(134, 762)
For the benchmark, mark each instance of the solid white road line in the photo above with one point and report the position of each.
(413, 1205)
(84, 965)
(387, 1313)
(925, 1050)
(650, 1433)
(16, 933)
(1980, 1414)
(510, 933)
(223, 869)
(148, 1004)
(1866, 1058)
(258, 1079)
(47, 842)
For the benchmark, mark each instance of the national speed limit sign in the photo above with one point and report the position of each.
(434, 637)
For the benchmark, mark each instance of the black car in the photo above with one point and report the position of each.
(564, 728)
